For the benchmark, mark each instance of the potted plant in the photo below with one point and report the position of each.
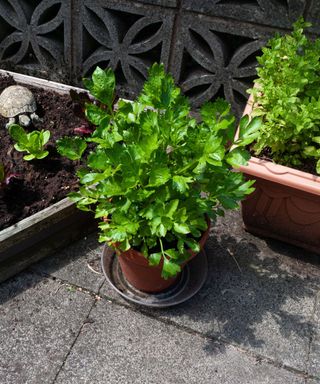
(156, 176)
(286, 202)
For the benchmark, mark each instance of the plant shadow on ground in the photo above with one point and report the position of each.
(247, 289)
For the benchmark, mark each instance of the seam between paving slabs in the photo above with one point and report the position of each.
(85, 321)
(96, 295)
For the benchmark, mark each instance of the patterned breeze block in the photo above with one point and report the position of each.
(128, 38)
(209, 45)
(217, 58)
(35, 37)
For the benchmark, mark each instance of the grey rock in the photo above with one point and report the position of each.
(16, 100)
(121, 346)
(40, 319)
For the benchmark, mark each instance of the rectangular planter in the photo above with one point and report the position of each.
(285, 204)
(47, 231)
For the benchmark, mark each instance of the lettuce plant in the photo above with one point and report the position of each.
(155, 172)
(287, 97)
(33, 143)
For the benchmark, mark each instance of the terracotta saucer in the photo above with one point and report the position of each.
(191, 280)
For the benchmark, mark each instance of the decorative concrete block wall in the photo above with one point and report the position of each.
(210, 46)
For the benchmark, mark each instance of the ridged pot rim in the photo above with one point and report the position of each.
(280, 174)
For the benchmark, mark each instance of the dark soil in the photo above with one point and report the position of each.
(39, 183)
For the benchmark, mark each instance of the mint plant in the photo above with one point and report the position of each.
(155, 172)
(33, 143)
(287, 97)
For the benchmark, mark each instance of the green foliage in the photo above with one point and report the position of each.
(33, 143)
(155, 172)
(71, 147)
(288, 97)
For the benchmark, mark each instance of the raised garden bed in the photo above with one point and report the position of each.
(36, 219)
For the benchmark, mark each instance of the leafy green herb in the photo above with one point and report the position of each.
(288, 97)
(155, 172)
(71, 147)
(33, 143)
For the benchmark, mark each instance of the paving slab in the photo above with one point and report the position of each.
(40, 319)
(314, 358)
(123, 346)
(78, 264)
(259, 295)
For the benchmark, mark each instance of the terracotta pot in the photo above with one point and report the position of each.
(146, 278)
(285, 204)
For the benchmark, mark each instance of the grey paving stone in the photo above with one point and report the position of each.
(266, 307)
(77, 264)
(313, 381)
(40, 319)
(122, 346)
(314, 359)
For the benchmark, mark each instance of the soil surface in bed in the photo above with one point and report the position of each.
(39, 183)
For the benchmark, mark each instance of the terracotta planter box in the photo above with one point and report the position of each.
(285, 204)
(47, 231)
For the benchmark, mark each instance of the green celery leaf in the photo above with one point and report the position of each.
(172, 253)
(98, 160)
(181, 228)
(102, 85)
(170, 269)
(159, 176)
(238, 157)
(154, 258)
(95, 114)
(71, 147)
(180, 183)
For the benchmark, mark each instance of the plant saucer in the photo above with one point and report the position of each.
(189, 283)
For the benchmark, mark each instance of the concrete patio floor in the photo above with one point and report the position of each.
(256, 320)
